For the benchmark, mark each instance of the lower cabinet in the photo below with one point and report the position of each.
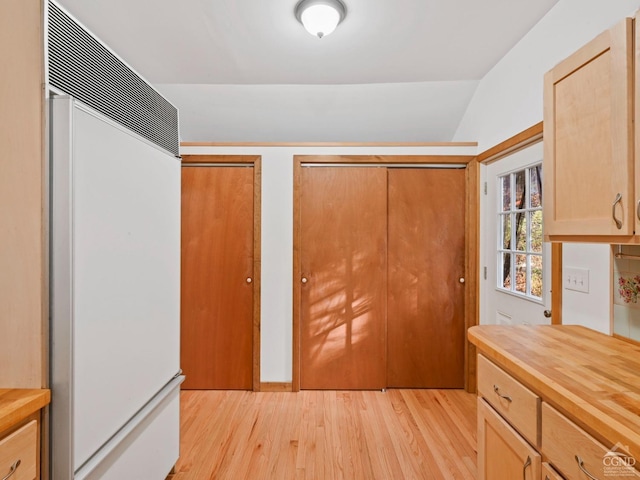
(20, 432)
(502, 453)
(19, 453)
(577, 454)
(509, 420)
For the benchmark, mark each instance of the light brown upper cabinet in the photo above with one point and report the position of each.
(588, 135)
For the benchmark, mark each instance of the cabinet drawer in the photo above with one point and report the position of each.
(573, 451)
(515, 402)
(20, 446)
(548, 473)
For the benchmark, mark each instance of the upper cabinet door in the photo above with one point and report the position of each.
(588, 136)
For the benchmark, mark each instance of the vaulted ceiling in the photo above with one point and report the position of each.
(193, 50)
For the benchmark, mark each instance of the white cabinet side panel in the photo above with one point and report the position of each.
(126, 277)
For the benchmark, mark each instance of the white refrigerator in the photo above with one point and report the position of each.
(115, 306)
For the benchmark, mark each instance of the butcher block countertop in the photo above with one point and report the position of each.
(591, 377)
(17, 404)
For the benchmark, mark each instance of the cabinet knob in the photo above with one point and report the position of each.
(461, 279)
(249, 279)
(304, 280)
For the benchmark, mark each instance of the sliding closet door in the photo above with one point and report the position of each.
(343, 261)
(426, 326)
(217, 273)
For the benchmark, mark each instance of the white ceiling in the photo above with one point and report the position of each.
(259, 42)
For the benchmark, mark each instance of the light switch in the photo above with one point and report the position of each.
(576, 279)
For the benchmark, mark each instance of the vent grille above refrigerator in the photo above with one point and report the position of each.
(83, 67)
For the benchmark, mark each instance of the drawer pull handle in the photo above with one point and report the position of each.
(504, 397)
(14, 467)
(584, 470)
(524, 469)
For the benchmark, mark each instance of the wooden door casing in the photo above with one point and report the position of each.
(217, 277)
(343, 260)
(426, 261)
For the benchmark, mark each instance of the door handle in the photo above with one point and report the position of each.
(547, 313)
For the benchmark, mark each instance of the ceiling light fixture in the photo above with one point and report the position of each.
(320, 17)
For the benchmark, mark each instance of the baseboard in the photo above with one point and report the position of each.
(276, 387)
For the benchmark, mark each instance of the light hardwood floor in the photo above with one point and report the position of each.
(400, 434)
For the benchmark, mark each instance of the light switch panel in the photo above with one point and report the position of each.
(576, 279)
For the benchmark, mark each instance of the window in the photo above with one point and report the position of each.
(520, 232)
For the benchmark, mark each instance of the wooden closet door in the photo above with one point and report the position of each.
(425, 323)
(343, 260)
(217, 270)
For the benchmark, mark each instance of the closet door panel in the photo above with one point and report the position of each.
(426, 327)
(217, 261)
(343, 258)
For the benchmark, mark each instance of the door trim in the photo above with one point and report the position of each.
(256, 162)
(513, 144)
(521, 140)
(471, 240)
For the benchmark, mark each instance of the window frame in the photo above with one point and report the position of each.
(511, 214)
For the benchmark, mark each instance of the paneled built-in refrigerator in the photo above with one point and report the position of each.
(115, 264)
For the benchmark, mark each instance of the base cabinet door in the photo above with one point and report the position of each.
(502, 453)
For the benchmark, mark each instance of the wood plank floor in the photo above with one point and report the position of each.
(400, 434)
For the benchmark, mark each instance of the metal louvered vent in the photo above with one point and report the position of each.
(84, 68)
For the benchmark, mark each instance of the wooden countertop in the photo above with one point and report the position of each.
(16, 404)
(591, 377)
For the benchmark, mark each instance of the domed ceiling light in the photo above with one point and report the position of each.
(320, 17)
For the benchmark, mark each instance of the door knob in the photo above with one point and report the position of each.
(249, 279)
(304, 280)
(547, 313)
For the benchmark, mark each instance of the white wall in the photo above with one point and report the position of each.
(593, 309)
(509, 100)
(509, 97)
(400, 112)
(277, 239)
